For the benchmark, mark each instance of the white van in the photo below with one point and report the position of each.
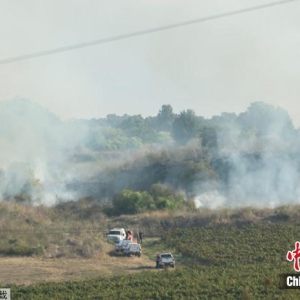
(116, 234)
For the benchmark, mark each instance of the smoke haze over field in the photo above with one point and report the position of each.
(266, 181)
(262, 165)
(256, 161)
(220, 65)
(35, 147)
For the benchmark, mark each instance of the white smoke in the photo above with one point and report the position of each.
(261, 163)
(35, 148)
(211, 199)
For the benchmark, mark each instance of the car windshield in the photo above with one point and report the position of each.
(115, 232)
(166, 256)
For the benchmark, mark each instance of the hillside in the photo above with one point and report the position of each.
(78, 229)
(241, 254)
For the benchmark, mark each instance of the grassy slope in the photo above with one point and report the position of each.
(213, 263)
(228, 255)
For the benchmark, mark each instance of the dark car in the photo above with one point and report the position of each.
(165, 259)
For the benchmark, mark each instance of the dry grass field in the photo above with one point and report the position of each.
(30, 270)
(71, 245)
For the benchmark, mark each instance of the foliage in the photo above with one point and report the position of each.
(185, 151)
(135, 126)
(133, 202)
(164, 137)
(165, 118)
(218, 262)
(180, 168)
(266, 120)
(166, 198)
(108, 138)
(209, 137)
(19, 250)
(186, 126)
(72, 229)
(249, 255)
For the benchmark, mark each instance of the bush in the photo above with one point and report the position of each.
(131, 202)
(22, 251)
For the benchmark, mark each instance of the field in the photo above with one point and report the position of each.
(31, 270)
(216, 262)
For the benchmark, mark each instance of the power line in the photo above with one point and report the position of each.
(141, 32)
(54, 231)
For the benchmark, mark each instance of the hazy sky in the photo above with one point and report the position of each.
(212, 67)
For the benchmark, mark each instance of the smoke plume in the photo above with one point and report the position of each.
(258, 161)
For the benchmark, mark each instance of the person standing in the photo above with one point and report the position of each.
(157, 261)
(141, 237)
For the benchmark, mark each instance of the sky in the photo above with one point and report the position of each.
(212, 67)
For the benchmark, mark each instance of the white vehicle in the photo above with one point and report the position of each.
(165, 259)
(133, 249)
(116, 235)
(121, 245)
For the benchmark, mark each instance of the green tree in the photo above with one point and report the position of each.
(186, 126)
(266, 120)
(159, 190)
(132, 202)
(114, 120)
(165, 197)
(209, 137)
(165, 118)
(135, 126)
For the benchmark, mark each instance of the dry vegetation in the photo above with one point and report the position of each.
(153, 223)
(31, 270)
(66, 243)
(50, 232)
(77, 229)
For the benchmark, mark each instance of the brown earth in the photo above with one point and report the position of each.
(30, 270)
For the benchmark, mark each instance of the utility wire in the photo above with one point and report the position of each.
(58, 231)
(141, 32)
